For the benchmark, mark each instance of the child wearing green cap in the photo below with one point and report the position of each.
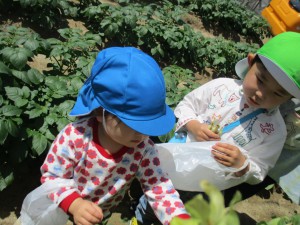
(241, 117)
(270, 78)
(93, 160)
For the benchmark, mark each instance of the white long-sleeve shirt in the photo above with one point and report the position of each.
(262, 137)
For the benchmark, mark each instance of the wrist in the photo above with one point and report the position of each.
(74, 205)
(65, 204)
(242, 172)
(191, 124)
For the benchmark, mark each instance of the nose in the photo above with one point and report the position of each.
(259, 94)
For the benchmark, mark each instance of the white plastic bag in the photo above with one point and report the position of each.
(188, 163)
(38, 209)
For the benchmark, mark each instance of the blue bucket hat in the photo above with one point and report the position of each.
(129, 84)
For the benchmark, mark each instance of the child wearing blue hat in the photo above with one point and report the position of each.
(240, 118)
(93, 161)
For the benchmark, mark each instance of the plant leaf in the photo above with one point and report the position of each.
(39, 143)
(36, 110)
(19, 57)
(12, 128)
(11, 110)
(216, 202)
(35, 76)
(235, 199)
(5, 180)
(31, 44)
(4, 69)
(198, 207)
(3, 131)
(191, 221)
(22, 75)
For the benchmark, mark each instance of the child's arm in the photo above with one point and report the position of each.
(192, 106)
(85, 212)
(59, 163)
(65, 154)
(262, 152)
(193, 109)
(158, 188)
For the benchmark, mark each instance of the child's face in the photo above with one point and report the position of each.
(261, 90)
(120, 133)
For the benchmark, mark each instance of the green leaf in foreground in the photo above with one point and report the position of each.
(212, 212)
(5, 179)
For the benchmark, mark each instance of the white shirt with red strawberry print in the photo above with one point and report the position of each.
(76, 154)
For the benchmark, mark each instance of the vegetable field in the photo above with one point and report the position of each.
(47, 48)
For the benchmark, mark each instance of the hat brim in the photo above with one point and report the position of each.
(155, 127)
(242, 67)
(281, 77)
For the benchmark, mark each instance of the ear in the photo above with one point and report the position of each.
(250, 58)
(98, 114)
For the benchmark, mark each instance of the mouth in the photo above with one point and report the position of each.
(136, 141)
(253, 102)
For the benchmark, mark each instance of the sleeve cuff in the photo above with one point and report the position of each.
(181, 123)
(65, 204)
(184, 216)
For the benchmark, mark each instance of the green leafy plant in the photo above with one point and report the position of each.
(212, 212)
(48, 13)
(179, 82)
(285, 220)
(230, 15)
(34, 105)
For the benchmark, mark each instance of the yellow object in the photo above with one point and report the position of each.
(281, 17)
(133, 221)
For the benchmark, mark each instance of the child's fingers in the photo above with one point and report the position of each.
(221, 146)
(221, 149)
(222, 160)
(228, 155)
(213, 134)
(221, 155)
(96, 213)
(99, 212)
(84, 220)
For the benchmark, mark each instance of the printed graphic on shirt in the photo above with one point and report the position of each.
(245, 136)
(267, 128)
(224, 97)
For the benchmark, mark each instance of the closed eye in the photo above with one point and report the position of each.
(260, 80)
(279, 94)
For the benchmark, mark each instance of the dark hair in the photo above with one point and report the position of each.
(258, 60)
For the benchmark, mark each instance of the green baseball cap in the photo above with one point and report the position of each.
(281, 57)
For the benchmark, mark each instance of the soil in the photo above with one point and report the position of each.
(262, 206)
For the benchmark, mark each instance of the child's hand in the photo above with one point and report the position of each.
(85, 212)
(228, 155)
(201, 131)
